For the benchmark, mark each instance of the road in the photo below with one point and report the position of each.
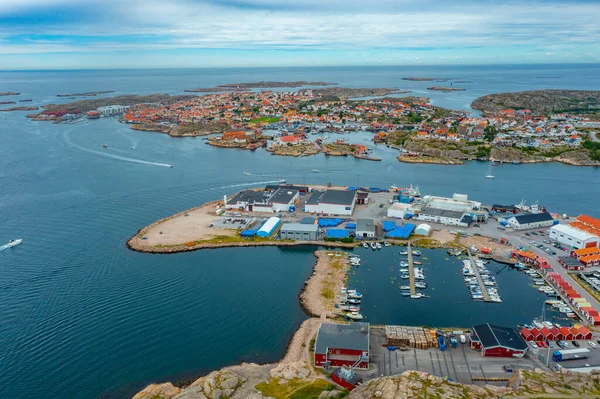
(594, 137)
(518, 239)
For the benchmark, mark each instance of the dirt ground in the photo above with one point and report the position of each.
(180, 228)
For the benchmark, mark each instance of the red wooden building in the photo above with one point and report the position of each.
(342, 345)
(345, 377)
(496, 341)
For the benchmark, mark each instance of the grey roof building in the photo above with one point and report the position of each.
(365, 228)
(299, 232)
(353, 336)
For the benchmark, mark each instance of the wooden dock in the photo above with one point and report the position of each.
(411, 271)
(484, 291)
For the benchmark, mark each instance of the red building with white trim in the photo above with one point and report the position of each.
(342, 345)
(496, 341)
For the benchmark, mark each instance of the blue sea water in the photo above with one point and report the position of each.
(81, 316)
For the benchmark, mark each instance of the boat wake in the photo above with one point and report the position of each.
(113, 156)
(246, 184)
(3, 247)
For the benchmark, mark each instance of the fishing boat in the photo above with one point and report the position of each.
(13, 243)
(416, 253)
(354, 316)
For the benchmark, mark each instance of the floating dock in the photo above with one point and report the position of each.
(411, 271)
(484, 291)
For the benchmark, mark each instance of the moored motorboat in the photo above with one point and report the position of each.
(354, 316)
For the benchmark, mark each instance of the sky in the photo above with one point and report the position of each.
(77, 34)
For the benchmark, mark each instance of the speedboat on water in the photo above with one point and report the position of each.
(13, 243)
(316, 170)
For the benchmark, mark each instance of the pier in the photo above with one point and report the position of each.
(484, 291)
(411, 271)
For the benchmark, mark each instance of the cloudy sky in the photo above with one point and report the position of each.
(49, 34)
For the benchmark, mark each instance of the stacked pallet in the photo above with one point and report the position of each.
(410, 337)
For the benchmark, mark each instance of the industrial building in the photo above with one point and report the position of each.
(282, 200)
(573, 237)
(365, 228)
(458, 202)
(113, 110)
(530, 221)
(398, 210)
(331, 202)
(342, 345)
(496, 341)
(269, 227)
(299, 232)
(447, 217)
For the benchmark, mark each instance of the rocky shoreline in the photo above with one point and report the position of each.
(442, 88)
(32, 108)
(430, 160)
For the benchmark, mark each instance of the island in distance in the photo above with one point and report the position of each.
(9, 93)
(540, 101)
(88, 94)
(427, 79)
(442, 88)
(256, 85)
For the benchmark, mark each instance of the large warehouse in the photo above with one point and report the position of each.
(496, 341)
(573, 237)
(530, 221)
(299, 232)
(443, 216)
(331, 202)
(342, 345)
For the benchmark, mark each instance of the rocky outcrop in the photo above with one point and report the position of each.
(20, 109)
(430, 160)
(158, 391)
(442, 88)
(579, 157)
(540, 101)
(289, 371)
(344, 92)
(9, 93)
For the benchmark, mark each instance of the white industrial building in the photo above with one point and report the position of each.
(443, 216)
(331, 202)
(573, 237)
(458, 202)
(398, 210)
(423, 230)
(530, 221)
(365, 228)
(262, 201)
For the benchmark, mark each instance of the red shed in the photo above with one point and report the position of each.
(537, 335)
(585, 333)
(576, 333)
(526, 334)
(345, 377)
(556, 332)
(342, 345)
(566, 333)
(499, 341)
(548, 336)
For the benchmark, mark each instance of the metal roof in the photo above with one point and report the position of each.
(441, 212)
(365, 225)
(338, 197)
(573, 232)
(283, 196)
(492, 336)
(533, 218)
(299, 227)
(353, 336)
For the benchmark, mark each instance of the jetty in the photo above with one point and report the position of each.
(411, 271)
(484, 291)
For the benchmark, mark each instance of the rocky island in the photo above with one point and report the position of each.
(87, 94)
(442, 88)
(19, 109)
(256, 85)
(345, 93)
(7, 102)
(9, 93)
(540, 101)
(426, 79)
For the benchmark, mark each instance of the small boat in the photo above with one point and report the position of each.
(418, 295)
(421, 285)
(354, 301)
(489, 174)
(365, 245)
(403, 252)
(355, 295)
(417, 262)
(404, 276)
(316, 170)
(13, 243)
(404, 270)
(405, 287)
(373, 247)
(405, 293)
(354, 316)
(104, 146)
(416, 253)
(378, 245)
(386, 244)
(246, 173)
(281, 181)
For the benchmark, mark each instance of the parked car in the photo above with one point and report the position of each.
(592, 344)
(575, 344)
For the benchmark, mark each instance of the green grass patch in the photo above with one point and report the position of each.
(267, 119)
(312, 390)
(273, 388)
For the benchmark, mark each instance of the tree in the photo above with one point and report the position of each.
(490, 132)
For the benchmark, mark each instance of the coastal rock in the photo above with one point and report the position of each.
(442, 88)
(289, 371)
(329, 394)
(156, 391)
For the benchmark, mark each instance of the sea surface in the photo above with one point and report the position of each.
(81, 316)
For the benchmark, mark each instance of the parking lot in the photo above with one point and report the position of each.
(593, 360)
(461, 364)
(235, 222)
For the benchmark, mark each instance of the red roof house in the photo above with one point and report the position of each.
(526, 334)
(566, 333)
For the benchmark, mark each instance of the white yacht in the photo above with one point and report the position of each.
(13, 243)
